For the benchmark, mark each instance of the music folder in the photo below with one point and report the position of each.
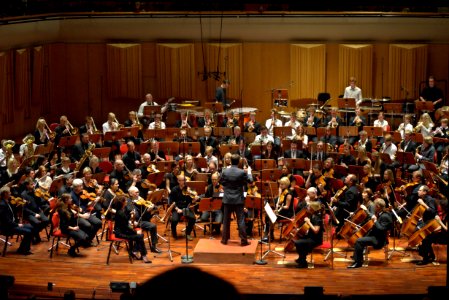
(270, 213)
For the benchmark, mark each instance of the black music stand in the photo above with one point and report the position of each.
(210, 205)
(271, 174)
(396, 232)
(405, 158)
(191, 148)
(255, 203)
(346, 105)
(154, 134)
(115, 135)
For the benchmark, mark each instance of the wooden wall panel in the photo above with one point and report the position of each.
(97, 83)
(58, 77)
(6, 91)
(149, 73)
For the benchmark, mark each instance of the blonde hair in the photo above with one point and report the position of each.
(284, 180)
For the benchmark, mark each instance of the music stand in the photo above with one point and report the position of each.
(99, 177)
(346, 105)
(43, 149)
(151, 110)
(115, 135)
(154, 134)
(172, 133)
(260, 164)
(156, 197)
(210, 205)
(169, 148)
(164, 165)
(249, 137)
(386, 158)
(271, 174)
(67, 141)
(102, 153)
(405, 158)
(356, 170)
(310, 130)
(198, 186)
(256, 149)
(228, 148)
(295, 163)
(373, 131)
(282, 132)
(191, 148)
(130, 131)
(321, 131)
(56, 184)
(157, 178)
(348, 131)
(255, 204)
(195, 132)
(424, 106)
(96, 138)
(27, 162)
(222, 131)
(200, 162)
(394, 109)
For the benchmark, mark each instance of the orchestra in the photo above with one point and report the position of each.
(87, 195)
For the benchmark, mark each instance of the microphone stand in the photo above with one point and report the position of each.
(260, 261)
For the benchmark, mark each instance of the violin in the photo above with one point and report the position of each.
(188, 192)
(146, 184)
(86, 195)
(41, 193)
(406, 187)
(321, 181)
(17, 201)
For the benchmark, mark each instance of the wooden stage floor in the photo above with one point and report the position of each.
(89, 274)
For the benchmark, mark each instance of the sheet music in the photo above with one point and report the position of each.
(270, 213)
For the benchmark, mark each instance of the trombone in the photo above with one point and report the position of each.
(94, 126)
(119, 126)
(72, 130)
(50, 134)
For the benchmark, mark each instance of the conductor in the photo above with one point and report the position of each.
(234, 181)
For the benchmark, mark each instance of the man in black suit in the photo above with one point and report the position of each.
(220, 93)
(293, 152)
(244, 152)
(347, 202)
(234, 180)
(377, 236)
(208, 140)
(320, 153)
(9, 222)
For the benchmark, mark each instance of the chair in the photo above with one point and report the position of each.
(110, 237)
(326, 247)
(106, 166)
(57, 234)
(53, 126)
(368, 249)
(299, 180)
(5, 241)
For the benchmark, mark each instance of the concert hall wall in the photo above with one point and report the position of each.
(79, 79)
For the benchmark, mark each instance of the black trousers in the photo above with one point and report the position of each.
(228, 210)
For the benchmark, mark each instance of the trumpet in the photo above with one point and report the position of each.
(72, 130)
(251, 126)
(418, 127)
(119, 126)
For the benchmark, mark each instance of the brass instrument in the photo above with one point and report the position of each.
(8, 145)
(230, 123)
(358, 121)
(418, 127)
(157, 124)
(29, 149)
(94, 126)
(119, 126)
(310, 121)
(251, 126)
(72, 130)
(50, 134)
(138, 124)
(87, 153)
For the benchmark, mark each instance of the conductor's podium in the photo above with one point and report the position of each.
(209, 251)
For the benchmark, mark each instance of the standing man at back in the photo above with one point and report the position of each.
(220, 94)
(234, 181)
(353, 91)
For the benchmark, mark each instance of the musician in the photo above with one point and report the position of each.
(209, 156)
(367, 202)
(88, 127)
(311, 120)
(333, 120)
(34, 210)
(62, 129)
(235, 138)
(411, 193)
(183, 198)
(317, 180)
(263, 138)
(358, 120)
(386, 188)
(12, 176)
(441, 132)
(208, 140)
(6, 152)
(88, 221)
(314, 236)
(94, 165)
(320, 153)
(293, 123)
(362, 158)
(79, 150)
(381, 122)
(41, 133)
(109, 195)
(425, 125)
(364, 142)
(157, 123)
(293, 152)
(136, 181)
(156, 154)
(28, 148)
(69, 223)
(190, 170)
(121, 174)
(388, 147)
(353, 91)
(245, 153)
(228, 120)
(183, 138)
(269, 152)
(212, 190)
(131, 158)
(302, 137)
(183, 121)
(171, 178)
(252, 125)
(143, 214)
(133, 121)
(147, 167)
(67, 185)
(368, 180)
(220, 93)
(44, 179)
(406, 125)
(328, 168)
(272, 122)
(424, 152)
(377, 236)
(443, 168)
(432, 93)
(65, 167)
(234, 180)
(425, 250)
(90, 184)
(328, 138)
(348, 202)
(288, 174)
(207, 119)
(11, 224)
(124, 228)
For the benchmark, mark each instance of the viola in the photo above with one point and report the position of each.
(39, 192)
(146, 184)
(17, 201)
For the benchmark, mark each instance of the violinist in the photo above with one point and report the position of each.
(90, 184)
(367, 201)
(425, 152)
(362, 158)
(375, 237)
(283, 207)
(328, 168)
(314, 236)
(65, 166)
(34, 210)
(94, 165)
(11, 224)
(316, 179)
(121, 174)
(67, 185)
(212, 190)
(124, 228)
(183, 198)
(89, 222)
(142, 185)
(171, 178)
(70, 225)
(425, 250)
(210, 158)
(348, 202)
(287, 174)
(143, 211)
(109, 195)
(368, 180)
(189, 169)
(147, 167)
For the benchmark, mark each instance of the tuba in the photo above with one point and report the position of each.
(8, 145)
(29, 148)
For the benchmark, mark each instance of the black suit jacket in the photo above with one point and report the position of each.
(211, 141)
(8, 218)
(411, 147)
(234, 181)
(383, 223)
(288, 154)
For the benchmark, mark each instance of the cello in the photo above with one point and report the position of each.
(347, 230)
(410, 224)
(419, 235)
(361, 232)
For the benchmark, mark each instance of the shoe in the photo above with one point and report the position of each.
(245, 243)
(302, 265)
(72, 253)
(432, 257)
(24, 252)
(146, 260)
(155, 250)
(355, 265)
(189, 238)
(136, 256)
(422, 262)
(224, 242)
(175, 237)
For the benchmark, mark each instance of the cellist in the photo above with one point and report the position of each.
(411, 197)
(377, 236)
